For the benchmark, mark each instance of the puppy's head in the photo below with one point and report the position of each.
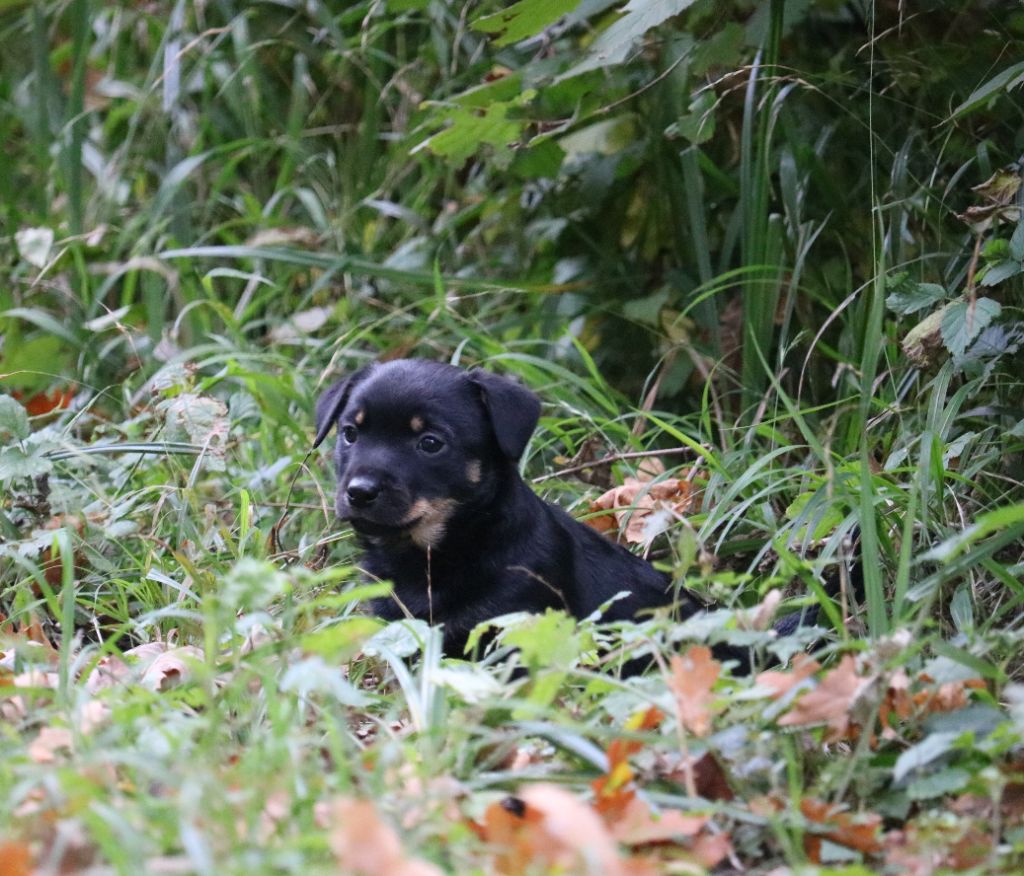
(419, 440)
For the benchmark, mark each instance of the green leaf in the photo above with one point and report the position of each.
(549, 640)
(17, 463)
(983, 526)
(1009, 78)
(927, 750)
(825, 516)
(1017, 242)
(1001, 271)
(469, 128)
(697, 126)
(962, 323)
(938, 784)
(616, 43)
(524, 19)
(909, 297)
(340, 641)
(13, 418)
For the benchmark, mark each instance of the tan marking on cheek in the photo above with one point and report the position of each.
(359, 417)
(433, 520)
(474, 471)
(416, 424)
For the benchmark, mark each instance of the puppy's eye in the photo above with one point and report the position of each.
(349, 434)
(430, 444)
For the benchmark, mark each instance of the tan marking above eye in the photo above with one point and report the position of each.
(359, 417)
(474, 471)
(416, 424)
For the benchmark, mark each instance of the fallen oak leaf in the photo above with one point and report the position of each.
(853, 830)
(632, 505)
(780, 682)
(364, 845)
(693, 676)
(638, 824)
(548, 826)
(831, 702)
(50, 740)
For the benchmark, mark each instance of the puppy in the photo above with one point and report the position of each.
(426, 462)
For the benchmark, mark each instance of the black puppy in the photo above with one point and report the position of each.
(427, 475)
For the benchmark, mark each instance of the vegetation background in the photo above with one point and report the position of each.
(778, 243)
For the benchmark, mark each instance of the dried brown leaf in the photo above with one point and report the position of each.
(364, 845)
(780, 682)
(830, 702)
(693, 676)
(854, 830)
(549, 827)
(49, 743)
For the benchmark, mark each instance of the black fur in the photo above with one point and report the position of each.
(455, 528)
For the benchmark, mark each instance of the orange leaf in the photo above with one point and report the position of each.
(364, 845)
(549, 829)
(42, 402)
(830, 702)
(635, 500)
(15, 859)
(693, 676)
(780, 682)
(854, 830)
(638, 824)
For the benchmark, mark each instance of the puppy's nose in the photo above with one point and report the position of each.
(361, 491)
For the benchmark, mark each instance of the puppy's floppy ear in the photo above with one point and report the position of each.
(513, 410)
(331, 402)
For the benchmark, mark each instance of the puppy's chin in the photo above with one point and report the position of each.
(424, 523)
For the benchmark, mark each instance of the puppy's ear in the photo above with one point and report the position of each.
(331, 402)
(513, 410)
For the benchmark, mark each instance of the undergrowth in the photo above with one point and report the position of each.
(772, 257)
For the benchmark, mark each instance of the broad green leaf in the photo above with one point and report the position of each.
(17, 463)
(938, 784)
(962, 323)
(470, 682)
(340, 641)
(1001, 271)
(922, 754)
(470, 128)
(313, 675)
(402, 638)
(13, 418)
(550, 639)
(825, 517)
(909, 297)
(698, 125)
(524, 19)
(617, 43)
(1017, 242)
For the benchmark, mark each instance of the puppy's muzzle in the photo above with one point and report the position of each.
(362, 492)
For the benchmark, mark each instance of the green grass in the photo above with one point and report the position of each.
(243, 208)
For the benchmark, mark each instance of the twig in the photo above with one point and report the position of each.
(607, 460)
